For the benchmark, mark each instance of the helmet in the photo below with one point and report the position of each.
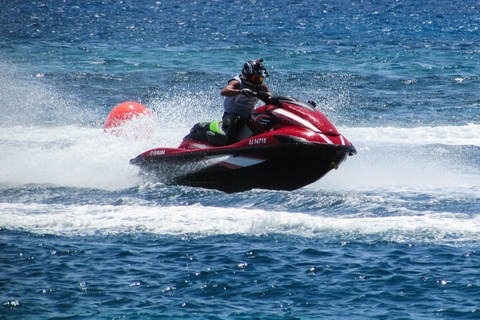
(253, 73)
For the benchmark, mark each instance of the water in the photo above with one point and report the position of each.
(393, 234)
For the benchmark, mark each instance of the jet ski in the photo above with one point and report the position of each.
(285, 144)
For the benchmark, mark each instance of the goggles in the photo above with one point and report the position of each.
(255, 79)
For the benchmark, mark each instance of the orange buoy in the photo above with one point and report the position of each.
(128, 119)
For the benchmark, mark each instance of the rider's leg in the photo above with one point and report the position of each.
(232, 124)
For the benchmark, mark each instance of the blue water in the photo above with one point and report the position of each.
(392, 234)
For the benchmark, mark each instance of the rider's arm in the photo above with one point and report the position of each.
(231, 89)
(264, 88)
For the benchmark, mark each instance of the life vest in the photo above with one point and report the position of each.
(240, 104)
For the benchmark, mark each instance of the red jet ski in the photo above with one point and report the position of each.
(285, 145)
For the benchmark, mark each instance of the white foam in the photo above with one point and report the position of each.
(375, 169)
(85, 157)
(450, 135)
(207, 221)
(395, 159)
(73, 156)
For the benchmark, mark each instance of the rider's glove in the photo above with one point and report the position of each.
(247, 92)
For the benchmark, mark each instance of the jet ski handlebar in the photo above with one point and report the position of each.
(268, 97)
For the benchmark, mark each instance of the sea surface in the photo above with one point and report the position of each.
(394, 233)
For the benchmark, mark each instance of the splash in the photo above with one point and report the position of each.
(30, 100)
(444, 159)
(449, 135)
(73, 156)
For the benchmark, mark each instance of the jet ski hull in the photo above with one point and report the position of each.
(287, 166)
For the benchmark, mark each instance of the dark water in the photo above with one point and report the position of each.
(393, 234)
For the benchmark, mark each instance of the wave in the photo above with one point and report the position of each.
(448, 135)
(199, 221)
(388, 157)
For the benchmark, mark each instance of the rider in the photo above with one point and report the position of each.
(240, 97)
